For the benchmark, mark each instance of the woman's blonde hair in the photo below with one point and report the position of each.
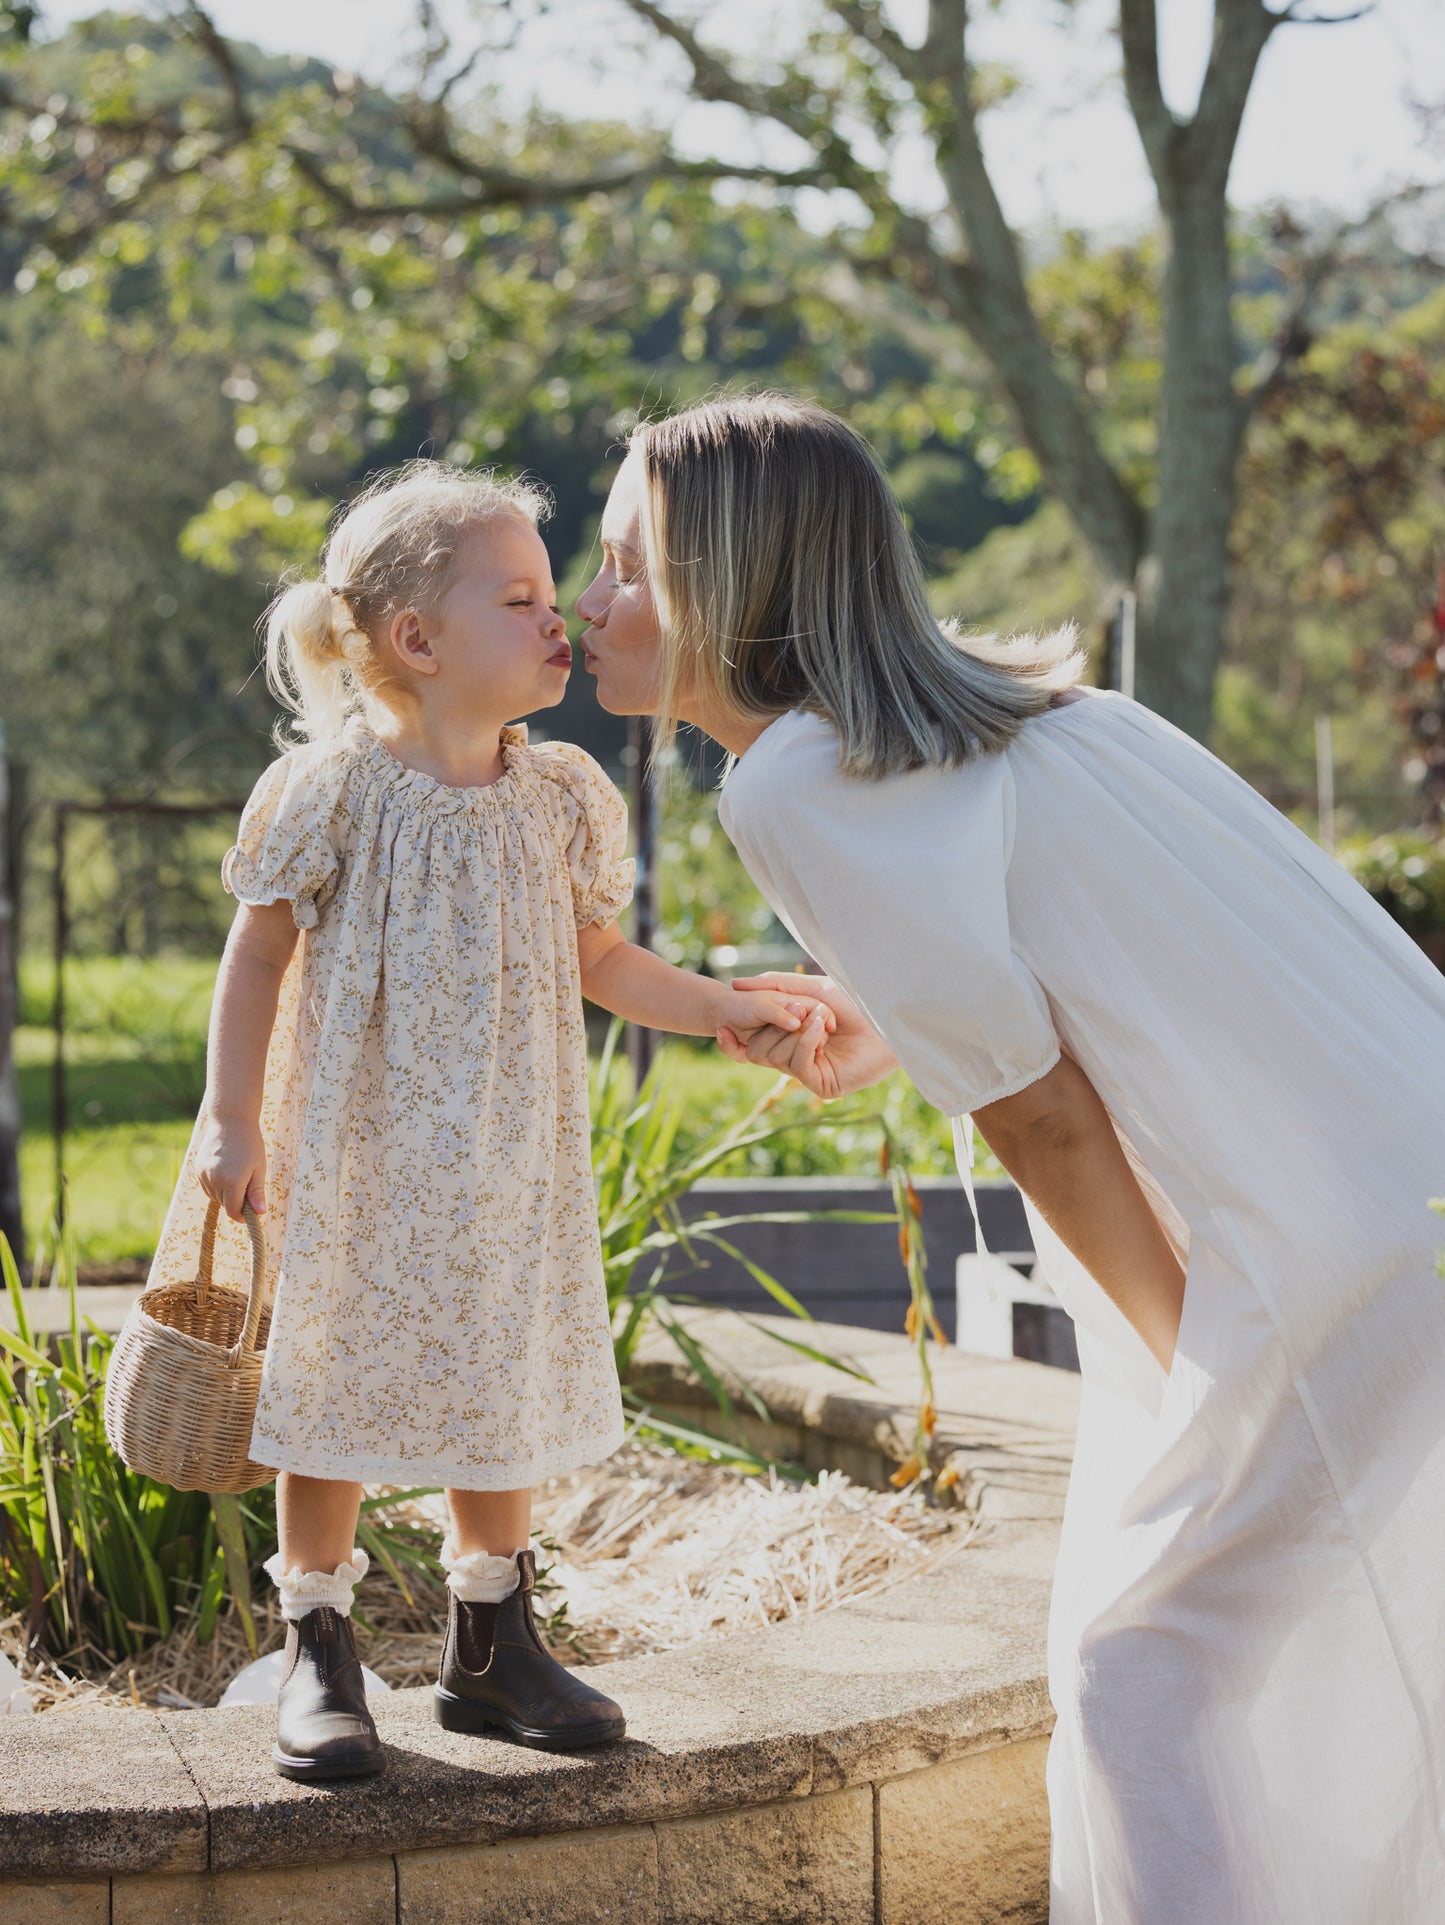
(393, 547)
(783, 577)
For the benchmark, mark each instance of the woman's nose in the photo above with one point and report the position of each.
(592, 603)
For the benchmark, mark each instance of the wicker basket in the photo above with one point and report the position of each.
(180, 1394)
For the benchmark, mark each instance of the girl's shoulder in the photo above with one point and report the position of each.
(576, 772)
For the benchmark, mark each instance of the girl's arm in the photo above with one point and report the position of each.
(633, 983)
(231, 1159)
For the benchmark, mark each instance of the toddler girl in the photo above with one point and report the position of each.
(415, 1067)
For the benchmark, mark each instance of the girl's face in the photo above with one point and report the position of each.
(496, 644)
(622, 642)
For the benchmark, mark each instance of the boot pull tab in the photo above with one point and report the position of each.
(527, 1569)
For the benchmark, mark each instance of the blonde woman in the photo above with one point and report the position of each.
(1217, 1072)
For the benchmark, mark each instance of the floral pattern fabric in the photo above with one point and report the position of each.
(439, 1310)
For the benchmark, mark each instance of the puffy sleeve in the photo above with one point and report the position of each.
(898, 889)
(595, 823)
(285, 848)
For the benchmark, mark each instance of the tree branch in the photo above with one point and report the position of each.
(1206, 147)
(1158, 128)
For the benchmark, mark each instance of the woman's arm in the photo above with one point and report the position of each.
(232, 1156)
(633, 983)
(1056, 1140)
(1058, 1143)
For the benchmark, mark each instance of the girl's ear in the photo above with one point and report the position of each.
(408, 638)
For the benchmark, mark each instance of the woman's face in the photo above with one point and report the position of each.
(622, 642)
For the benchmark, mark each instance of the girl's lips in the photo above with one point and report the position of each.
(561, 657)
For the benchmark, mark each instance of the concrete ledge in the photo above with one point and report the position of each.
(1005, 1425)
(774, 1776)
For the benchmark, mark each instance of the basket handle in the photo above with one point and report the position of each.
(247, 1339)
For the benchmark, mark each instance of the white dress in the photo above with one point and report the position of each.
(440, 1314)
(1247, 1650)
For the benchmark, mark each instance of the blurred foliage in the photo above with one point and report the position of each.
(1405, 874)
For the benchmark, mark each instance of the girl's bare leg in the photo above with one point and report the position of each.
(497, 1522)
(315, 1521)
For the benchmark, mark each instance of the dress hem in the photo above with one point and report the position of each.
(458, 1477)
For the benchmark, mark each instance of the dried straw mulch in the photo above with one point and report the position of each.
(646, 1552)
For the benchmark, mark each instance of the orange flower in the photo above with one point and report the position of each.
(910, 1322)
(928, 1416)
(913, 1201)
(946, 1478)
(883, 1158)
(908, 1473)
(937, 1328)
(905, 1243)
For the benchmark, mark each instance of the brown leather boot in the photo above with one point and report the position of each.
(323, 1728)
(496, 1672)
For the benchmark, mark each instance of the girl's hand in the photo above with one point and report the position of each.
(231, 1163)
(830, 1059)
(741, 1013)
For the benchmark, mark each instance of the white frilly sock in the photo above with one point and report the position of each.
(301, 1591)
(479, 1578)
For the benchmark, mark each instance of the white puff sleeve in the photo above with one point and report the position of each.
(595, 825)
(285, 849)
(897, 888)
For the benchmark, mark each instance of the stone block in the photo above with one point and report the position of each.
(95, 1791)
(358, 1891)
(606, 1877)
(806, 1861)
(35, 1901)
(967, 1842)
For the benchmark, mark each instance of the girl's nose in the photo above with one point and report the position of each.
(556, 626)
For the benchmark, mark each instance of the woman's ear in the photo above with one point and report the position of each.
(410, 644)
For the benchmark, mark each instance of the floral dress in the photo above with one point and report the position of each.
(439, 1313)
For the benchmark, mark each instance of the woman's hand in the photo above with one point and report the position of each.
(850, 1058)
(231, 1163)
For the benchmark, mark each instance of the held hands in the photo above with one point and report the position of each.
(834, 1051)
(771, 1005)
(231, 1163)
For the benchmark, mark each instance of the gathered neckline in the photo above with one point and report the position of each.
(400, 775)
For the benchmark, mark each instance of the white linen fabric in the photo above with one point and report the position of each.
(440, 1312)
(1247, 1648)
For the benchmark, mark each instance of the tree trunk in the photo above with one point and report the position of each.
(10, 1219)
(1183, 575)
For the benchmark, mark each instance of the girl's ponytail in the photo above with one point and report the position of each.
(306, 665)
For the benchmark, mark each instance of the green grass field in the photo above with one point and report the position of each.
(135, 1071)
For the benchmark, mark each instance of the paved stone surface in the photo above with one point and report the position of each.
(591, 1878)
(1005, 1425)
(685, 1753)
(361, 1891)
(967, 1843)
(95, 1791)
(105, 1304)
(809, 1862)
(34, 1902)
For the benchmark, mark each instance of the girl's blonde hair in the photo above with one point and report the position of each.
(783, 577)
(393, 547)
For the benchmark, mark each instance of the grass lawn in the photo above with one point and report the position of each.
(135, 1070)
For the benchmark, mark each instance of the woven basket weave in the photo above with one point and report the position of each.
(181, 1390)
